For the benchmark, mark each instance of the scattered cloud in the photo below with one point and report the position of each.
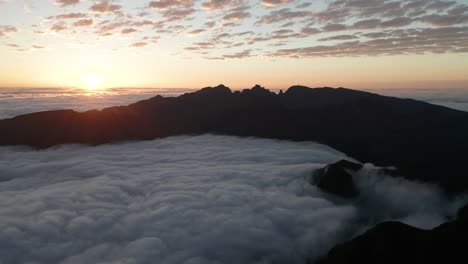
(279, 27)
(58, 27)
(166, 4)
(128, 30)
(139, 44)
(274, 2)
(5, 30)
(66, 2)
(105, 7)
(83, 22)
(221, 4)
(392, 42)
(197, 31)
(68, 16)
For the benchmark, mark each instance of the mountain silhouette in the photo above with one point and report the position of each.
(395, 242)
(423, 141)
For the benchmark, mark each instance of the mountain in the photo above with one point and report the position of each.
(395, 242)
(424, 141)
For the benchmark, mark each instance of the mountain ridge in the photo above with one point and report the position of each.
(424, 141)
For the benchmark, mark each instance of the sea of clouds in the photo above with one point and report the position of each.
(192, 199)
(18, 101)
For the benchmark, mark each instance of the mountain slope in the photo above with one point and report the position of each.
(395, 242)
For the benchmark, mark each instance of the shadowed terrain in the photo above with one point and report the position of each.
(424, 141)
(395, 242)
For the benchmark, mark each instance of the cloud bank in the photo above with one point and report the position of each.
(204, 199)
(14, 102)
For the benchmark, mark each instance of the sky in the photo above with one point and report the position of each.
(197, 43)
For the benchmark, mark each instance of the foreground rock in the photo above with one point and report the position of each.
(424, 141)
(334, 178)
(395, 242)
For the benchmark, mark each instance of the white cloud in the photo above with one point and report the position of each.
(204, 199)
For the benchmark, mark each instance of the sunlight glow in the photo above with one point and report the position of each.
(91, 82)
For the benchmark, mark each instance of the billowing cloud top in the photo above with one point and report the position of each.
(230, 29)
(192, 200)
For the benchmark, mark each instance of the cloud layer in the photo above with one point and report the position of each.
(204, 199)
(334, 28)
(14, 102)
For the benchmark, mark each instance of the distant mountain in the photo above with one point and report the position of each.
(424, 141)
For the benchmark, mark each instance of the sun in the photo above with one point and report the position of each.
(91, 82)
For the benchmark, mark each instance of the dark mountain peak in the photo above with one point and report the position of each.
(257, 90)
(258, 87)
(222, 87)
(297, 89)
(335, 178)
(304, 90)
(214, 91)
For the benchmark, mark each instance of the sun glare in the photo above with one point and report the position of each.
(91, 82)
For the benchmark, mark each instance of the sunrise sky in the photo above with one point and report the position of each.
(195, 43)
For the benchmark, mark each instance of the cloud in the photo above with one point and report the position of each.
(274, 2)
(202, 199)
(367, 24)
(238, 55)
(83, 23)
(128, 31)
(220, 4)
(339, 37)
(58, 27)
(310, 31)
(236, 15)
(5, 30)
(108, 26)
(444, 20)
(66, 2)
(392, 42)
(282, 15)
(166, 4)
(179, 14)
(105, 7)
(196, 31)
(334, 27)
(68, 16)
(138, 44)
(313, 21)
